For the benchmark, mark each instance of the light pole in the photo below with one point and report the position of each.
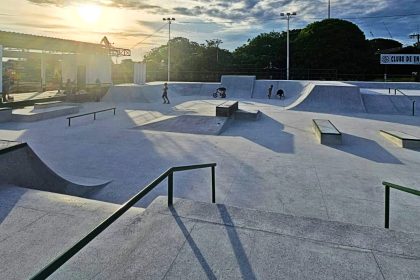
(169, 20)
(288, 16)
(329, 9)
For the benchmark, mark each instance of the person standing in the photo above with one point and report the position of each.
(6, 86)
(270, 90)
(165, 94)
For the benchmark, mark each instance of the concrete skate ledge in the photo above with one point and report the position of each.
(227, 109)
(326, 132)
(402, 139)
(43, 105)
(247, 115)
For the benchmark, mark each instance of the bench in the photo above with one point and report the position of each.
(326, 132)
(43, 105)
(227, 109)
(401, 139)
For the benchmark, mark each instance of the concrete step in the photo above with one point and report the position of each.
(195, 240)
(36, 226)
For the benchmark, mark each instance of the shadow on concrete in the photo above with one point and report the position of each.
(192, 124)
(365, 148)
(238, 249)
(201, 259)
(269, 134)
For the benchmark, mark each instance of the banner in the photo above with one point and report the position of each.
(400, 59)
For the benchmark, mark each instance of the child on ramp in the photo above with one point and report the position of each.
(165, 94)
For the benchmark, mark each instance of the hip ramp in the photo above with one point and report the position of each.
(238, 86)
(334, 97)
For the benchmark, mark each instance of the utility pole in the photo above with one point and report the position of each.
(329, 9)
(288, 15)
(416, 36)
(169, 20)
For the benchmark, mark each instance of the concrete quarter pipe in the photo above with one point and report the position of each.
(22, 167)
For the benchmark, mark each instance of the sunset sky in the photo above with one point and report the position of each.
(129, 22)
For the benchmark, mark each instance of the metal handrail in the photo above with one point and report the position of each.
(411, 99)
(64, 257)
(388, 186)
(92, 113)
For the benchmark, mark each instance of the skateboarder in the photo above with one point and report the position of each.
(270, 90)
(165, 94)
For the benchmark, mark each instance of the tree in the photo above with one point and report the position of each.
(332, 44)
(265, 49)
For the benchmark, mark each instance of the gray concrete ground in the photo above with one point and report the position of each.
(274, 164)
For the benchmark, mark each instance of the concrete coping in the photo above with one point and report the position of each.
(401, 135)
(228, 104)
(49, 104)
(326, 127)
(6, 109)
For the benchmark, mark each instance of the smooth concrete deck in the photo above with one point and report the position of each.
(273, 164)
(203, 241)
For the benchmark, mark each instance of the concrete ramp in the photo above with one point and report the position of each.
(22, 167)
(292, 89)
(329, 97)
(390, 104)
(128, 93)
(238, 86)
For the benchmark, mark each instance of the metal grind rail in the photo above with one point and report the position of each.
(92, 113)
(388, 186)
(64, 257)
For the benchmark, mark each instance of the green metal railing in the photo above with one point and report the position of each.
(64, 257)
(388, 186)
(413, 102)
(92, 113)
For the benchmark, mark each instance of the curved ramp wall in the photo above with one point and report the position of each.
(330, 98)
(238, 86)
(22, 167)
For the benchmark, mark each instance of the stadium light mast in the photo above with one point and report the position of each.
(329, 9)
(169, 20)
(288, 16)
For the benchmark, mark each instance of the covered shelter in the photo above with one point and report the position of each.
(81, 63)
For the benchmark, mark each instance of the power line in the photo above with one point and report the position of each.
(156, 31)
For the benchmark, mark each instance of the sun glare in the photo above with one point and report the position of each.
(89, 13)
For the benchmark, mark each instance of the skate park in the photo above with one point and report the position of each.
(273, 176)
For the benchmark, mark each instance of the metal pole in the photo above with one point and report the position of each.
(287, 67)
(170, 189)
(329, 9)
(386, 207)
(213, 185)
(414, 105)
(169, 53)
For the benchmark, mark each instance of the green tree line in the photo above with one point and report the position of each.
(328, 49)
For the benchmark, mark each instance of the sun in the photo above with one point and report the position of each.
(89, 13)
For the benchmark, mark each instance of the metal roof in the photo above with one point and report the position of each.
(34, 42)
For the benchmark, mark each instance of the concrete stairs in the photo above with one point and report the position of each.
(36, 226)
(196, 240)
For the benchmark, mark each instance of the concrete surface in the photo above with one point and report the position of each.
(202, 241)
(5, 114)
(272, 164)
(36, 226)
